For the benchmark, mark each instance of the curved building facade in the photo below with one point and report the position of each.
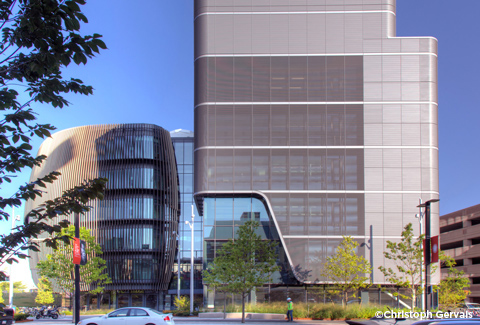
(137, 221)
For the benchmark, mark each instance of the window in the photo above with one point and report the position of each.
(137, 312)
(119, 313)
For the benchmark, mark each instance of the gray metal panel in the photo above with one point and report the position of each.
(374, 204)
(372, 26)
(373, 158)
(335, 31)
(392, 91)
(411, 91)
(391, 68)
(411, 158)
(297, 37)
(373, 134)
(411, 134)
(392, 113)
(316, 36)
(279, 33)
(411, 113)
(353, 33)
(374, 179)
(410, 68)
(242, 36)
(260, 34)
(373, 91)
(390, 134)
(373, 114)
(392, 158)
(223, 34)
(411, 179)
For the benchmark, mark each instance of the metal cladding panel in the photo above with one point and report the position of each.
(134, 223)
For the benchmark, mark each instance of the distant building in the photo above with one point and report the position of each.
(460, 239)
(136, 222)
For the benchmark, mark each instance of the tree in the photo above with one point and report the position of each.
(59, 267)
(407, 255)
(346, 270)
(453, 289)
(5, 287)
(45, 293)
(18, 286)
(39, 40)
(242, 264)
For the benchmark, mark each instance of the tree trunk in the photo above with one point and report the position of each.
(243, 307)
(224, 305)
(414, 298)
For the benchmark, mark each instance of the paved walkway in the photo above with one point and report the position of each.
(195, 320)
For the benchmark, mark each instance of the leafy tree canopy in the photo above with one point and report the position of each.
(59, 267)
(453, 288)
(242, 264)
(347, 271)
(44, 294)
(407, 256)
(39, 39)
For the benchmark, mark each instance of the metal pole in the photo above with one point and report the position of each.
(10, 294)
(77, 275)
(427, 250)
(178, 267)
(191, 263)
(420, 219)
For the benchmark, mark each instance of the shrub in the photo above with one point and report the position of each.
(182, 304)
(20, 316)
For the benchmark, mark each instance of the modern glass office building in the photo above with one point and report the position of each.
(183, 144)
(137, 221)
(315, 117)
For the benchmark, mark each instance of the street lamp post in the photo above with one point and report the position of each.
(420, 220)
(178, 264)
(10, 294)
(426, 205)
(191, 225)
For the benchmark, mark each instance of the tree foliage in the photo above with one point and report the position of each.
(345, 270)
(182, 304)
(59, 267)
(242, 264)
(39, 39)
(453, 288)
(407, 255)
(45, 293)
(18, 286)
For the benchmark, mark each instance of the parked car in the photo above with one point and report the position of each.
(131, 316)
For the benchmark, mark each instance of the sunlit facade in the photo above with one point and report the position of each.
(136, 222)
(316, 117)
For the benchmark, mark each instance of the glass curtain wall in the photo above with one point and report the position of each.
(183, 144)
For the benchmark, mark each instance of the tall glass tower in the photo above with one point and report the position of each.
(315, 114)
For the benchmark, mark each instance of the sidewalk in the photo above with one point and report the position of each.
(197, 320)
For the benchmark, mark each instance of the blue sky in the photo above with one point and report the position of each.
(146, 76)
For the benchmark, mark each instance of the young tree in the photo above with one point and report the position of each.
(242, 264)
(45, 293)
(59, 267)
(453, 289)
(347, 271)
(39, 40)
(407, 255)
